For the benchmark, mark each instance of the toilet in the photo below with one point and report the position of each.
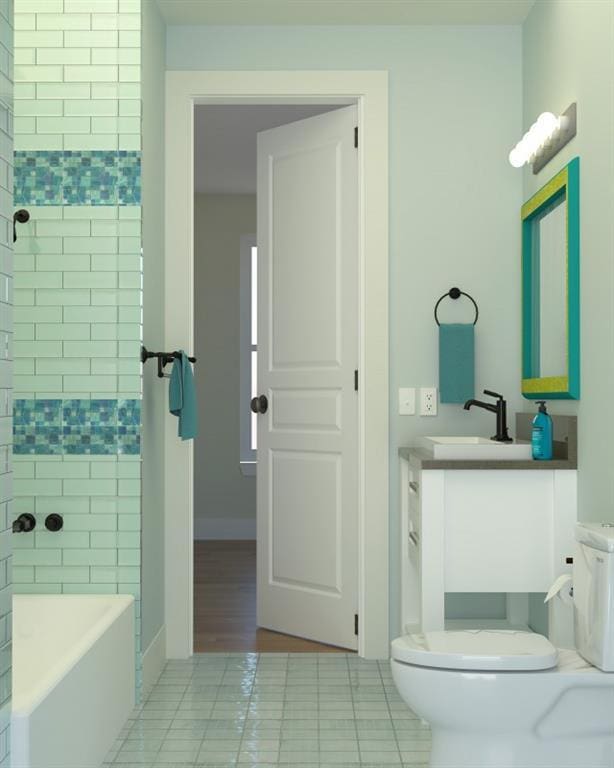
(510, 699)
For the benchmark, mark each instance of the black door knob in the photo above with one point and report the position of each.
(54, 522)
(24, 523)
(259, 404)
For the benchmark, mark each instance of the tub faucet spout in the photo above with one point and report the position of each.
(499, 408)
(24, 523)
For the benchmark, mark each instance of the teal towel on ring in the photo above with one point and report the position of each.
(182, 397)
(456, 362)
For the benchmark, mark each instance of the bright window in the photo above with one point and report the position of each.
(248, 438)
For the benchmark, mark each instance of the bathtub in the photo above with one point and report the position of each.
(73, 678)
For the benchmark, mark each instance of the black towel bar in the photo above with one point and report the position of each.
(163, 358)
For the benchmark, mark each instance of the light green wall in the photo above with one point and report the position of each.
(464, 605)
(221, 493)
(455, 111)
(568, 55)
(538, 613)
(154, 390)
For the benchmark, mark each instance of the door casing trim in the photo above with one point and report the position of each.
(369, 90)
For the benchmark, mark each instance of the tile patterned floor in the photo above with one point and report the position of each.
(273, 710)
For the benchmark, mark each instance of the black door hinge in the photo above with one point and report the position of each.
(356, 624)
(356, 380)
(356, 136)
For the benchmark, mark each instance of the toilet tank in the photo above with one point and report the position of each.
(593, 584)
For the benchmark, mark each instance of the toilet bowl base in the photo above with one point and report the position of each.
(451, 749)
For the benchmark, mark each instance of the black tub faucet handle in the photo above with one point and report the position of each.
(54, 522)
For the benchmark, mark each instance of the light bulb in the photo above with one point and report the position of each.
(523, 147)
(539, 135)
(516, 157)
(547, 123)
(531, 142)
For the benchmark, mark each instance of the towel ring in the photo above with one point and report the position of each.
(455, 293)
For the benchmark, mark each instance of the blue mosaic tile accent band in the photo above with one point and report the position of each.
(87, 177)
(129, 426)
(37, 426)
(77, 427)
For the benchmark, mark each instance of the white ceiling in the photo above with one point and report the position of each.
(345, 11)
(225, 143)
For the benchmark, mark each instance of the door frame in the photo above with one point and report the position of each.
(369, 90)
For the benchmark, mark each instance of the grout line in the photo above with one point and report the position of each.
(247, 713)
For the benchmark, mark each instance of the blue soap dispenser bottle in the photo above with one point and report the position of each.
(541, 434)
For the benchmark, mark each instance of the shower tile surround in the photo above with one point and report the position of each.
(78, 294)
(273, 710)
(6, 370)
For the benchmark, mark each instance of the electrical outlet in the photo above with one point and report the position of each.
(428, 401)
(407, 401)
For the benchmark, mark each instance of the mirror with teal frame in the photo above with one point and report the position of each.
(551, 288)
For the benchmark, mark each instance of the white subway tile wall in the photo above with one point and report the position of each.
(6, 369)
(78, 294)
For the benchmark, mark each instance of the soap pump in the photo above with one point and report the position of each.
(541, 434)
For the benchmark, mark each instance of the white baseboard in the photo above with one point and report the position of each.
(224, 528)
(154, 659)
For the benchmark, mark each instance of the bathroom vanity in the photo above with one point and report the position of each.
(484, 525)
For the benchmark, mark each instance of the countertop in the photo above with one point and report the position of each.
(565, 449)
(426, 461)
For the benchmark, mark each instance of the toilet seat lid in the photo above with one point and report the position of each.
(476, 649)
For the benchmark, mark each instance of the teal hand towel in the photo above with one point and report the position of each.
(182, 397)
(456, 362)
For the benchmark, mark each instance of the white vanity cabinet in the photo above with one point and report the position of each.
(480, 530)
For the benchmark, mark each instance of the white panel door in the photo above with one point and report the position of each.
(308, 351)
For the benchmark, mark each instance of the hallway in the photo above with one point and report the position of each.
(225, 603)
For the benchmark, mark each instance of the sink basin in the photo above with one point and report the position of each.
(475, 448)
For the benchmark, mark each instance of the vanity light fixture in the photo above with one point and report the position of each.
(544, 139)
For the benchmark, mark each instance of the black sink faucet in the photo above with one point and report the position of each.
(500, 408)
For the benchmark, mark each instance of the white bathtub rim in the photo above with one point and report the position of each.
(22, 704)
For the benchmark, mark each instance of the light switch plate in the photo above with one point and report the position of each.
(407, 401)
(428, 401)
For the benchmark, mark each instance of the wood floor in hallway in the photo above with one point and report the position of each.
(225, 603)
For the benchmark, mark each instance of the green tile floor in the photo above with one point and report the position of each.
(273, 710)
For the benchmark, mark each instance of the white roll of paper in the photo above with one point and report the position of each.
(558, 588)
